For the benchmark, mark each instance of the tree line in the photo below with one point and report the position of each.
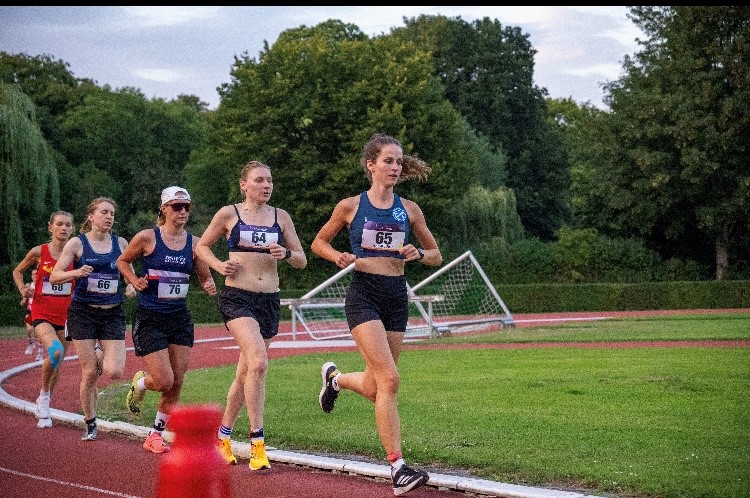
(655, 188)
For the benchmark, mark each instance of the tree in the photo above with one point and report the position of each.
(29, 189)
(487, 70)
(669, 162)
(133, 147)
(310, 103)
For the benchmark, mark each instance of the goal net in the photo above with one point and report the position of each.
(457, 298)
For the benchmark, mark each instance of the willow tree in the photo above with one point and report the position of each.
(29, 188)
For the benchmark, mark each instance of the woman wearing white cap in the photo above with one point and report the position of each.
(163, 330)
(258, 237)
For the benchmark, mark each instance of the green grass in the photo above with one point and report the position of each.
(645, 422)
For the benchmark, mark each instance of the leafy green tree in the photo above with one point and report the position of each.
(129, 148)
(487, 70)
(49, 84)
(669, 163)
(29, 188)
(309, 104)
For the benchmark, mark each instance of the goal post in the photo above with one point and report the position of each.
(457, 298)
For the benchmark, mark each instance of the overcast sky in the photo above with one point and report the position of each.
(167, 51)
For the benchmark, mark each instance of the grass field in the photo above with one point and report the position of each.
(633, 422)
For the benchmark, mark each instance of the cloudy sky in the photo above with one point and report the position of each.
(167, 51)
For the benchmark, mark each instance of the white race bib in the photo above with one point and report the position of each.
(102, 283)
(383, 236)
(252, 237)
(172, 284)
(49, 289)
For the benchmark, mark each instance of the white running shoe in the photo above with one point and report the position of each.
(29, 348)
(44, 423)
(42, 406)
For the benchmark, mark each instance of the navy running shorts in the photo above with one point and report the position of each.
(156, 330)
(90, 322)
(377, 297)
(263, 307)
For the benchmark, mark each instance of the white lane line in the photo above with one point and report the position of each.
(65, 483)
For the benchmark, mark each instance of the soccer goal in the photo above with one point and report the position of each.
(457, 298)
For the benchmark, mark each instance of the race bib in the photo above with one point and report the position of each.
(171, 285)
(49, 289)
(253, 237)
(103, 283)
(378, 236)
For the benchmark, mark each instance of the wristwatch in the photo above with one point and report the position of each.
(421, 253)
(288, 254)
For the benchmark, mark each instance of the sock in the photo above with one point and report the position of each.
(42, 392)
(90, 422)
(335, 382)
(224, 432)
(141, 384)
(257, 435)
(160, 422)
(397, 464)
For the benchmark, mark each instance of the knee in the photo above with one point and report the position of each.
(163, 384)
(390, 383)
(258, 368)
(56, 353)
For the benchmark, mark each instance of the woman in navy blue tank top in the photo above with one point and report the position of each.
(96, 308)
(258, 237)
(376, 306)
(163, 330)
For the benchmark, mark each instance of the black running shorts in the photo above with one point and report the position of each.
(263, 307)
(377, 297)
(156, 330)
(90, 322)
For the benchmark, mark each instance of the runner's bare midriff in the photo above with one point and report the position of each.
(257, 272)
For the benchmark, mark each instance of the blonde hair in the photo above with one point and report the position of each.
(86, 226)
(412, 168)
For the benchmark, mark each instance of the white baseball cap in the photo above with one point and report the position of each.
(174, 194)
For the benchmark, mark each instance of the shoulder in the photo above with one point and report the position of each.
(350, 202)
(145, 235)
(226, 213)
(412, 208)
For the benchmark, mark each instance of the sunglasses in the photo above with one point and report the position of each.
(179, 207)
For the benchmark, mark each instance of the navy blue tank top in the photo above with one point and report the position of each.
(376, 232)
(254, 238)
(104, 285)
(168, 273)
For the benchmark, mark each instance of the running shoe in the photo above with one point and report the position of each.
(42, 406)
(44, 423)
(405, 479)
(258, 458)
(99, 359)
(225, 449)
(328, 394)
(29, 348)
(134, 398)
(155, 443)
(90, 433)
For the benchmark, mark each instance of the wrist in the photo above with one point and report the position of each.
(288, 254)
(421, 253)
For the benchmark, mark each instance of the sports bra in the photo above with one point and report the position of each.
(254, 238)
